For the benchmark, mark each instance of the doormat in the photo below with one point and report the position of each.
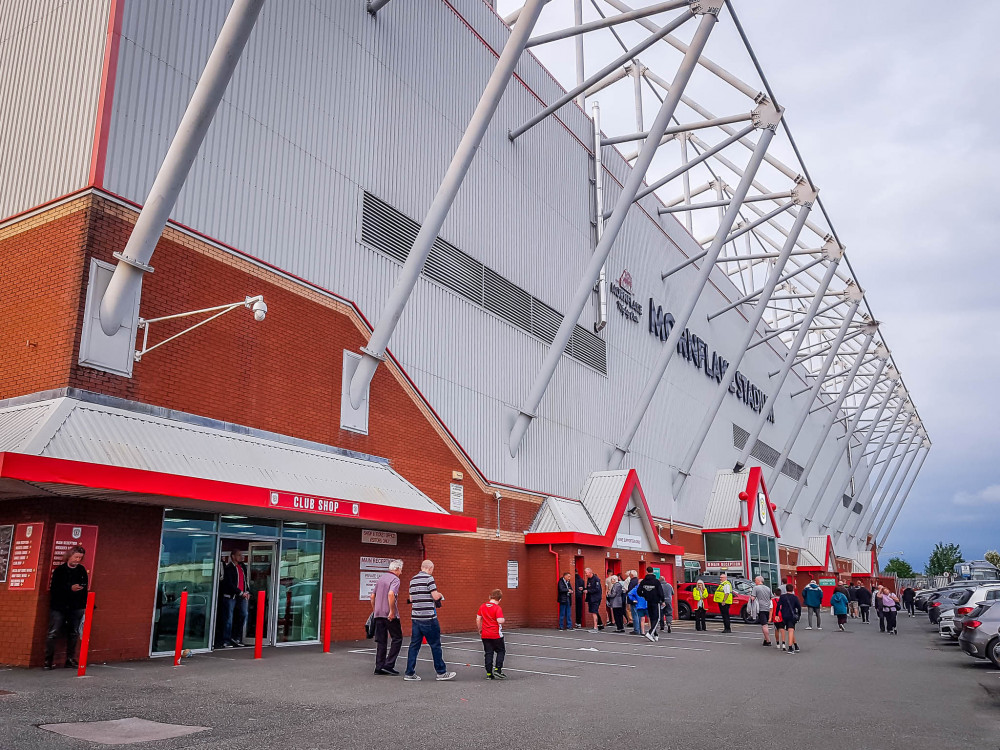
(121, 731)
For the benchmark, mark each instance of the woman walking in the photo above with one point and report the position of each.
(700, 595)
(890, 606)
(877, 596)
(616, 600)
(840, 604)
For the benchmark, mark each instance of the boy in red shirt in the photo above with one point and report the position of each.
(489, 623)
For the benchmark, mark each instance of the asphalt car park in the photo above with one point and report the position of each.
(858, 689)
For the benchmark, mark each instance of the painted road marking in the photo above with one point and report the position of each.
(642, 654)
(371, 651)
(548, 658)
(628, 643)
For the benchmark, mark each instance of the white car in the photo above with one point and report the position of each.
(946, 625)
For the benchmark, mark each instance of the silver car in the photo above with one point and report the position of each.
(980, 635)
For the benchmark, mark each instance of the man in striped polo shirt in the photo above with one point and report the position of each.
(424, 601)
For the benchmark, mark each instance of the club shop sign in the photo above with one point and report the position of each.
(627, 305)
(696, 351)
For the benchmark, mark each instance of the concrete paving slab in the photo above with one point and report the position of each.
(121, 731)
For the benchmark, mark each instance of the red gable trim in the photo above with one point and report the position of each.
(828, 555)
(100, 476)
(755, 480)
(608, 538)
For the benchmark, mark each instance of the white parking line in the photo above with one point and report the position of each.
(548, 658)
(371, 651)
(624, 642)
(596, 650)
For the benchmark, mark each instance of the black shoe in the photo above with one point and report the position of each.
(796, 647)
(380, 672)
(489, 676)
(239, 644)
(47, 666)
(600, 627)
(390, 670)
(499, 675)
(766, 643)
(71, 664)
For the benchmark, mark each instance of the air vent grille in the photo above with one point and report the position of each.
(766, 454)
(391, 232)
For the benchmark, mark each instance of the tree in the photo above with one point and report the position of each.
(900, 567)
(943, 559)
(992, 557)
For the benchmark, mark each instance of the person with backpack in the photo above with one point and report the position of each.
(649, 589)
(812, 595)
(700, 596)
(638, 607)
(724, 598)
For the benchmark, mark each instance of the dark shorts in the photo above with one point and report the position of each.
(593, 607)
(779, 626)
(764, 617)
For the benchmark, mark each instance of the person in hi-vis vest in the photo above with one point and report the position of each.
(724, 598)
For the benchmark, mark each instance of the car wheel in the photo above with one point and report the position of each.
(684, 611)
(993, 652)
(745, 615)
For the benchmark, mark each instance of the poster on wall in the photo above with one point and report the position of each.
(372, 569)
(69, 535)
(6, 540)
(512, 574)
(25, 549)
(457, 498)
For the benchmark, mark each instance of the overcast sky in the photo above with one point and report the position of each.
(894, 108)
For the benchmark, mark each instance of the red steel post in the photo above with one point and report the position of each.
(181, 621)
(88, 618)
(258, 645)
(327, 614)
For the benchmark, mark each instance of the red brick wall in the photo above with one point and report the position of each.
(123, 580)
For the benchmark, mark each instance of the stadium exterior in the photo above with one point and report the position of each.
(579, 377)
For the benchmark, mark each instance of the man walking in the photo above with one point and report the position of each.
(385, 605)
(650, 590)
(235, 601)
(667, 610)
(424, 601)
(763, 595)
(791, 613)
(594, 599)
(864, 603)
(564, 594)
(908, 597)
(724, 598)
(812, 595)
(67, 603)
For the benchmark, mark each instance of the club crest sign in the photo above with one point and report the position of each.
(627, 305)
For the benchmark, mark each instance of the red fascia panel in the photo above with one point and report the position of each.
(608, 538)
(99, 476)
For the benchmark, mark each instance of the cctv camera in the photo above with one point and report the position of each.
(497, 494)
(259, 310)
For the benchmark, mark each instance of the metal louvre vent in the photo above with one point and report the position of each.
(766, 454)
(393, 233)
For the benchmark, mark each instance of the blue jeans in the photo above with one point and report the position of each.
(636, 620)
(227, 608)
(431, 630)
(564, 616)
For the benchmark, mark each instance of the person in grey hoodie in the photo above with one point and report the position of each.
(667, 607)
(812, 595)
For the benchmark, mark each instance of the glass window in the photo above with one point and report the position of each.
(187, 563)
(772, 546)
(302, 530)
(724, 547)
(188, 520)
(754, 547)
(234, 526)
(299, 590)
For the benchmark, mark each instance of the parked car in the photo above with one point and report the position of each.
(946, 625)
(685, 601)
(946, 600)
(980, 636)
(958, 604)
(925, 596)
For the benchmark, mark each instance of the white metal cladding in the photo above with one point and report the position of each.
(561, 514)
(19, 423)
(106, 435)
(325, 106)
(816, 546)
(724, 509)
(601, 494)
(51, 53)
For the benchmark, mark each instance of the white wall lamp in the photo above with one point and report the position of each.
(256, 304)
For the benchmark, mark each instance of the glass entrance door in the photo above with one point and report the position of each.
(261, 558)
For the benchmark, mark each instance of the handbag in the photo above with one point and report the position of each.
(370, 626)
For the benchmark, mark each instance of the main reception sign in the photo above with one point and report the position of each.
(696, 351)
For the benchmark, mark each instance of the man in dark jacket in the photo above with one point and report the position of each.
(650, 590)
(791, 613)
(864, 602)
(67, 602)
(234, 598)
(594, 599)
(565, 597)
(908, 596)
(581, 590)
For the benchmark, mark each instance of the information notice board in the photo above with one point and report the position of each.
(25, 549)
(6, 541)
(69, 535)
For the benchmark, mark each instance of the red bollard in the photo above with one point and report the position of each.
(181, 622)
(327, 613)
(88, 617)
(258, 645)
